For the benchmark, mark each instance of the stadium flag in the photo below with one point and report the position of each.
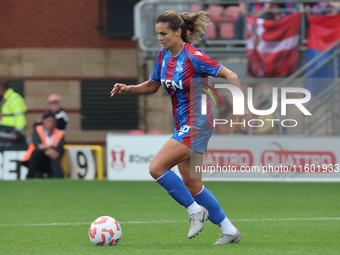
(272, 45)
(323, 32)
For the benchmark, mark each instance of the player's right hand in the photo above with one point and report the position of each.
(119, 88)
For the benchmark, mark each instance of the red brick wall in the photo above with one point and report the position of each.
(54, 24)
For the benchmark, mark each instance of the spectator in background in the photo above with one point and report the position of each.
(13, 120)
(54, 103)
(289, 5)
(261, 10)
(62, 123)
(256, 9)
(45, 150)
(323, 8)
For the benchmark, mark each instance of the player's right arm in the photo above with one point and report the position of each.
(147, 87)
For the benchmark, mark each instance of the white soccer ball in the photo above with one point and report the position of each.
(105, 230)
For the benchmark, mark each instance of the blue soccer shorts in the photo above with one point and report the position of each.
(194, 138)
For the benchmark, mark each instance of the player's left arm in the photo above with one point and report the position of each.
(233, 79)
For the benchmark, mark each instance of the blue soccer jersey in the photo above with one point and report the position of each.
(176, 73)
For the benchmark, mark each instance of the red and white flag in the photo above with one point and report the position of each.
(272, 45)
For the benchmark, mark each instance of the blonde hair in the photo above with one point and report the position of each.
(192, 24)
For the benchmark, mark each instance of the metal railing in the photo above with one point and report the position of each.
(325, 106)
(146, 13)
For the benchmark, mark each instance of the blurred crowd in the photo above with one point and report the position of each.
(229, 19)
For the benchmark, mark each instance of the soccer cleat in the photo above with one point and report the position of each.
(224, 238)
(197, 222)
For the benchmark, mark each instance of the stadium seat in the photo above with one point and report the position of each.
(136, 132)
(210, 32)
(195, 8)
(231, 14)
(215, 13)
(228, 19)
(227, 30)
(155, 132)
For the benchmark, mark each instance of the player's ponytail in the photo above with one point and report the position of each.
(192, 24)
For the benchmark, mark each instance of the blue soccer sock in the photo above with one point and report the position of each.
(216, 215)
(176, 188)
(206, 199)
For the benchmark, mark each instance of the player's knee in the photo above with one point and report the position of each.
(155, 171)
(152, 170)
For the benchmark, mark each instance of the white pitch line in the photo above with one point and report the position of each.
(88, 223)
(160, 221)
(269, 219)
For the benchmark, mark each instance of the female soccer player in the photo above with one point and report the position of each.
(177, 63)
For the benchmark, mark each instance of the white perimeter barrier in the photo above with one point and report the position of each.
(129, 156)
(10, 166)
(234, 158)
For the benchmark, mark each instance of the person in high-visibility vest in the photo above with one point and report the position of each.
(45, 150)
(13, 119)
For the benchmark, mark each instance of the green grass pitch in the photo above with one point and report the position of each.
(274, 218)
